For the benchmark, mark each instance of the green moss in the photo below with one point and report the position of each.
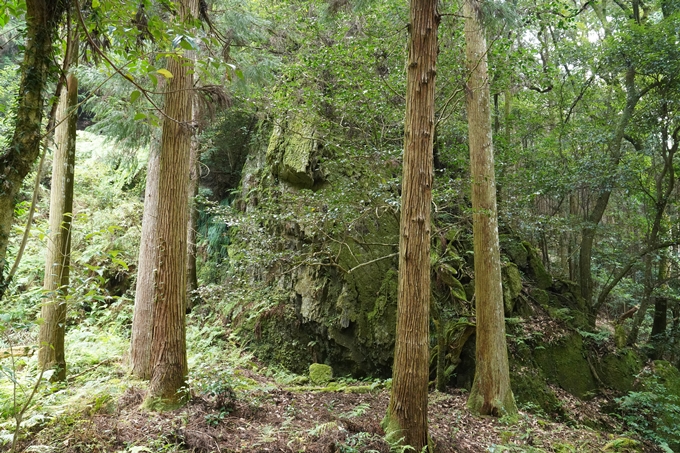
(668, 376)
(565, 364)
(620, 337)
(291, 153)
(393, 430)
(276, 339)
(446, 274)
(623, 445)
(320, 374)
(515, 250)
(530, 389)
(541, 297)
(618, 371)
(512, 286)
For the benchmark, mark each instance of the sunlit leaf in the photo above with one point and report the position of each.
(165, 73)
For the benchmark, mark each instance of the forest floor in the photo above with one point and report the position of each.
(269, 416)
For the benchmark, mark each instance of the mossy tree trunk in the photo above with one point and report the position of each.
(42, 18)
(168, 342)
(406, 417)
(58, 256)
(491, 393)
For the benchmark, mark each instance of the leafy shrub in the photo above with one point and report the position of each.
(654, 411)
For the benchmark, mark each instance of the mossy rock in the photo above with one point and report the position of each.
(565, 364)
(274, 340)
(512, 286)
(515, 250)
(668, 375)
(530, 389)
(618, 371)
(623, 445)
(541, 297)
(320, 374)
(292, 154)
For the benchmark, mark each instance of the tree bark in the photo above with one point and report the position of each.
(142, 318)
(42, 18)
(406, 419)
(168, 343)
(53, 311)
(194, 176)
(491, 393)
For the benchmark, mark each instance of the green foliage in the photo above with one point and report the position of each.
(654, 410)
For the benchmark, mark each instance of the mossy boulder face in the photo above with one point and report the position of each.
(293, 154)
(277, 342)
(515, 250)
(618, 371)
(512, 286)
(530, 389)
(566, 364)
(349, 317)
(320, 374)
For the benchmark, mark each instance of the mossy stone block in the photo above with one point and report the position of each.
(320, 374)
(565, 364)
(618, 371)
(515, 250)
(530, 388)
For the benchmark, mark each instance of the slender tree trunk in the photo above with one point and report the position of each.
(665, 184)
(53, 311)
(491, 393)
(406, 417)
(195, 166)
(142, 319)
(661, 302)
(168, 343)
(17, 159)
(594, 218)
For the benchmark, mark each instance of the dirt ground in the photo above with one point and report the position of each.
(283, 419)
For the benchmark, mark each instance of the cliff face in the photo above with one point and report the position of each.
(314, 277)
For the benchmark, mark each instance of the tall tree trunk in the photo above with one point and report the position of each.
(53, 311)
(491, 393)
(16, 160)
(168, 343)
(406, 417)
(142, 318)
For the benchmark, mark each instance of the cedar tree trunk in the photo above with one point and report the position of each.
(168, 342)
(406, 417)
(491, 393)
(53, 311)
